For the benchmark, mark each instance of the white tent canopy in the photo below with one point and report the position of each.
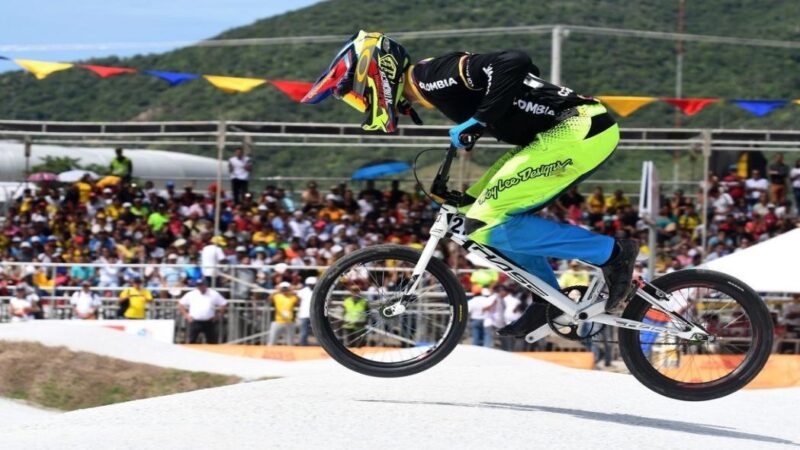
(770, 266)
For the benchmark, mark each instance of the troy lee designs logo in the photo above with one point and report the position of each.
(545, 170)
(387, 89)
(438, 84)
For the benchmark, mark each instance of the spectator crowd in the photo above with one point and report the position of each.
(264, 234)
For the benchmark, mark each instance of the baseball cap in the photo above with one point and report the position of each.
(241, 249)
(284, 285)
(310, 281)
(281, 268)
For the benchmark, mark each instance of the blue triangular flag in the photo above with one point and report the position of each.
(173, 78)
(760, 108)
(3, 57)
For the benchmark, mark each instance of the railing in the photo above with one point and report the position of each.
(247, 320)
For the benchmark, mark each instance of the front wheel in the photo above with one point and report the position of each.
(694, 370)
(351, 323)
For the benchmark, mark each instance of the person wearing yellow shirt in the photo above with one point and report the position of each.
(356, 318)
(264, 236)
(284, 301)
(115, 209)
(618, 200)
(597, 205)
(84, 187)
(333, 212)
(574, 276)
(137, 298)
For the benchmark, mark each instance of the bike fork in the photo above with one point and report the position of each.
(438, 231)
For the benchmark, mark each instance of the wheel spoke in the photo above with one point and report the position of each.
(356, 300)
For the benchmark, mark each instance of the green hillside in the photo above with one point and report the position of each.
(592, 64)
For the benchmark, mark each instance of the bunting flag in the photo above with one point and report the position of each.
(233, 85)
(690, 106)
(41, 69)
(760, 108)
(295, 90)
(173, 78)
(625, 105)
(107, 72)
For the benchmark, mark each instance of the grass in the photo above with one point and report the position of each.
(56, 377)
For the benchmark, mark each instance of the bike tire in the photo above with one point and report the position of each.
(336, 349)
(756, 310)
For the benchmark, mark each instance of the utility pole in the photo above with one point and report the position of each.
(678, 86)
(555, 54)
(679, 60)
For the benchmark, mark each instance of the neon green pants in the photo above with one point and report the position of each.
(528, 178)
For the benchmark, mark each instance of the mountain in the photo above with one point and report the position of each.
(592, 64)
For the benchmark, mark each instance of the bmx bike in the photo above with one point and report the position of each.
(391, 311)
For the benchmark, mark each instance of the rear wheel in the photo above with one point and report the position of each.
(696, 370)
(350, 321)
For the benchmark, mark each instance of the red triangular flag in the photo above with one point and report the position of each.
(295, 90)
(107, 72)
(691, 106)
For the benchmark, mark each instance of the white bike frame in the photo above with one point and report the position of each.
(450, 224)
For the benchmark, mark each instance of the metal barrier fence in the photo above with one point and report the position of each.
(246, 321)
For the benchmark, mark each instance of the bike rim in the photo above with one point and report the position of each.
(695, 363)
(387, 341)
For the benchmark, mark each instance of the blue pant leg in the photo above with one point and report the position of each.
(532, 235)
(476, 325)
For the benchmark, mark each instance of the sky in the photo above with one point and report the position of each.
(105, 21)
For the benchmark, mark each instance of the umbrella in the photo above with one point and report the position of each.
(72, 176)
(380, 168)
(109, 180)
(39, 177)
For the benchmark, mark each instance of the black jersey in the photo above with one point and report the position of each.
(502, 90)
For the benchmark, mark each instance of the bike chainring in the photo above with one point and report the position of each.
(568, 330)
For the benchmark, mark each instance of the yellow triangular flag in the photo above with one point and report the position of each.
(796, 101)
(233, 85)
(624, 105)
(41, 69)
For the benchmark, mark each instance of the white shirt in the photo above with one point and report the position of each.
(84, 302)
(756, 187)
(304, 310)
(511, 303)
(300, 228)
(202, 306)
(794, 175)
(210, 257)
(722, 205)
(238, 167)
(476, 307)
(23, 304)
(109, 273)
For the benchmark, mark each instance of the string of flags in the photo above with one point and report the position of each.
(293, 89)
(623, 106)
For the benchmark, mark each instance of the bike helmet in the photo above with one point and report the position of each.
(367, 74)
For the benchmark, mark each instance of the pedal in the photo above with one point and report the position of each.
(539, 333)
